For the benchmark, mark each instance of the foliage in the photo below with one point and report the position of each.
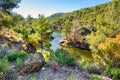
(116, 73)
(95, 38)
(9, 4)
(19, 61)
(6, 20)
(101, 21)
(21, 54)
(66, 30)
(14, 55)
(111, 48)
(32, 78)
(45, 53)
(3, 65)
(61, 56)
(34, 40)
(109, 51)
(11, 56)
(42, 28)
(94, 77)
(29, 19)
(112, 72)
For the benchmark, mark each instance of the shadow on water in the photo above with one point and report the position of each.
(75, 52)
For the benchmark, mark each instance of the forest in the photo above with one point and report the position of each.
(25, 44)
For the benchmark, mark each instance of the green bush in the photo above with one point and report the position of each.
(14, 56)
(94, 77)
(3, 65)
(32, 78)
(19, 61)
(11, 57)
(115, 73)
(21, 54)
(61, 56)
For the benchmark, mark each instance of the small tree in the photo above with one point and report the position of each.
(42, 28)
(67, 29)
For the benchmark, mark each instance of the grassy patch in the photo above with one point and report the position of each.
(3, 65)
(14, 55)
(61, 56)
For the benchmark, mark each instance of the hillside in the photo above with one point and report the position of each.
(91, 16)
(101, 20)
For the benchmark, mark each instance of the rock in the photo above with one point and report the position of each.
(16, 44)
(2, 39)
(64, 42)
(33, 63)
(54, 65)
(9, 75)
(78, 44)
(4, 50)
(29, 48)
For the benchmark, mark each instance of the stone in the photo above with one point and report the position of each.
(32, 63)
(29, 48)
(75, 43)
(9, 75)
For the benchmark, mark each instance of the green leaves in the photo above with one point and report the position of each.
(61, 56)
(9, 4)
(14, 55)
(19, 61)
(3, 65)
(44, 32)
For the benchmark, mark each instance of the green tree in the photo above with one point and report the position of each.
(40, 16)
(43, 31)
(29, 19)
(9, 4)
(67, 29)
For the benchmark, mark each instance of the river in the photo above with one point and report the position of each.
(75, 52)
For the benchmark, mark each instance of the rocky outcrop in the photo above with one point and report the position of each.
(9, 75)
(33, 62)
(8, 44)
(78, 44)
(29, 48)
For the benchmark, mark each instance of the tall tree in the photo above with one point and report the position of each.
(7, 5)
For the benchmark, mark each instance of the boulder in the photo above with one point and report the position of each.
(32, 63)
(74, 43)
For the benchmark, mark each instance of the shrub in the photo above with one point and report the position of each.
(14, 56)
(32, 78)
(11, 57)
(94, 77)
(61, 56)
(3, 65)
(115, 73)
(19, 61)
(21, 54)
